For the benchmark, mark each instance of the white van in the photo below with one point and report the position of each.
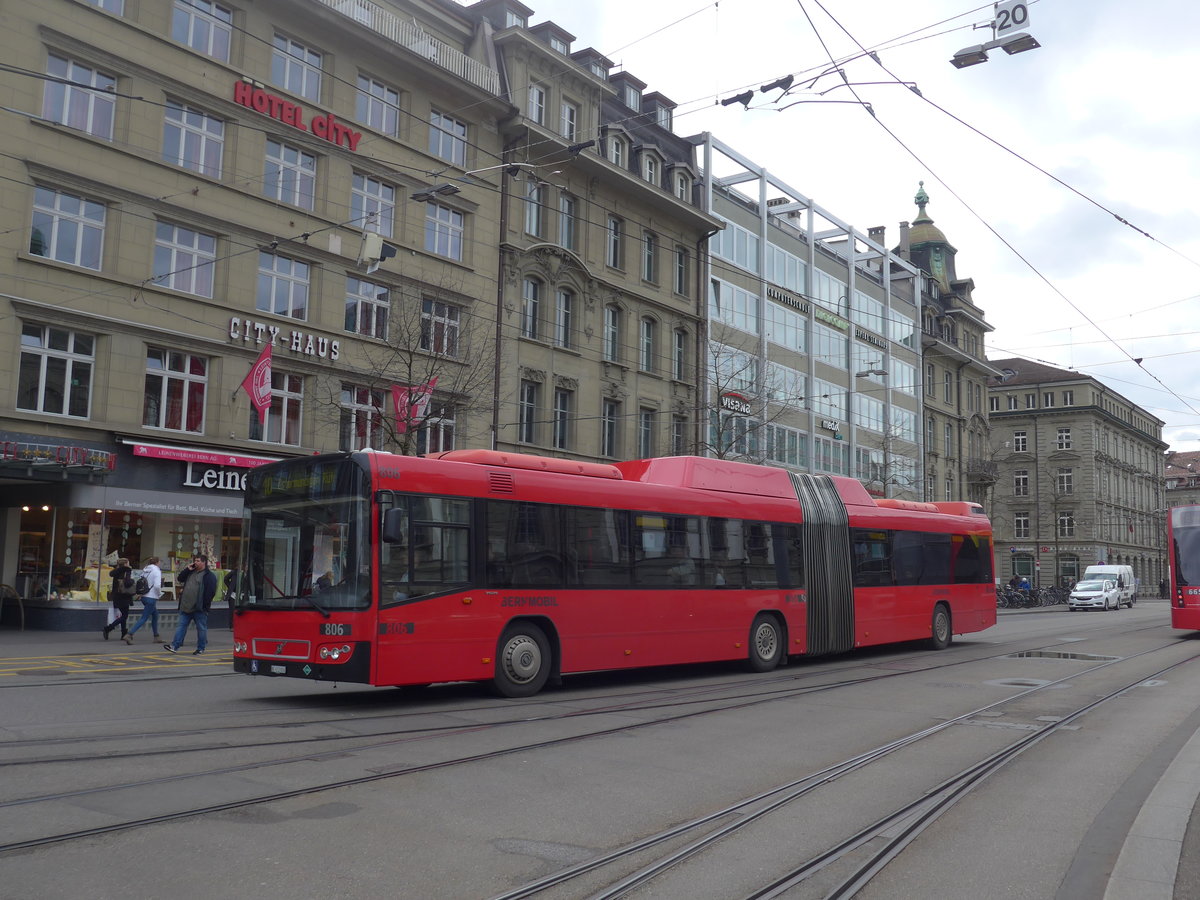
(1122, 575)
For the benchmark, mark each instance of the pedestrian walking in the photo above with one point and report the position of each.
(153, 590)
(122, 596)
(198, 586)
(1162, 588)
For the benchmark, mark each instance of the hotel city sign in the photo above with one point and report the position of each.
(322, 125)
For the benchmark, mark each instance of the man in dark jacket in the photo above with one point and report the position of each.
(197, 585)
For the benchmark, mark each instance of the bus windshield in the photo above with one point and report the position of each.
(307, 537)
(1185, 530)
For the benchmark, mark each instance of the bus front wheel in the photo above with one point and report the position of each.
(522, 661)
(942, 635)
(766, 644)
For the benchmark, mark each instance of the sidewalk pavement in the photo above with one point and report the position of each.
(15, 643)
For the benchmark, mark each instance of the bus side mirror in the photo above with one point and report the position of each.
(394, 521)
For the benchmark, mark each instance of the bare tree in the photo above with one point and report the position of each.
(440, 353)
(744, 399)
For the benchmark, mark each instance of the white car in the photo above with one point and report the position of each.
(1095, 594)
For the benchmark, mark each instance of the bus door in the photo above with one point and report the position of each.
(424, 626)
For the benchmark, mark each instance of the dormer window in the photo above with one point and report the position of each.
(599, 69)
(683, 187)
(633, 97)
(651, 168)
(560, 45)
(663, 116)
(617, 151)
(513, 19)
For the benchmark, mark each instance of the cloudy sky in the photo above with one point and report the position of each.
(1102, 106)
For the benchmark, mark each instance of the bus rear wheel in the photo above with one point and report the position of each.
(766, 644)
(941, 634)
(522, 661)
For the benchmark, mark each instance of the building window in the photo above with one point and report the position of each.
(568, 125)
(440, 327)
(683, 187)
(993, 404)
(281, 425)
(948, 434)
(204, 26)
(360, 418)
(67, 228)
(1031, 401)
(531, 308)
(679, 355)
(55, 371)
(377, 106)
(88, 109)
(436, 435)
(1066, 481)
(537, 104)
(372, 204)
(1066, 523)
(535, 203)
(614, 255)
(617, 151)
(1021, 525)
(448, 138)
(948, 386)
(282, 286)
(559, 45)
(949, 488)
(610, 423)
(184, 259)
(1021, 483)
(564, 401)
(176, 384)
(193, 139)
(931, 435)
(296, 68)
(1048, 399)
(633, 97)
(682, 265)
(368, 306)
(663, 116)
(1012, 401)
(612, 334)
(1068, 398)
(930, 384)
(652, 170)
(1064, 439)
(290, 175)
(647, 344)
(1020, 442)
(679, 436)
(647, 420)
(567, 221)
(564, 317)
(443, 231)
(116, 7)
(649, 256)
(527, 412)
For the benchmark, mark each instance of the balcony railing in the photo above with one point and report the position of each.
(411, 35)
(982, 470)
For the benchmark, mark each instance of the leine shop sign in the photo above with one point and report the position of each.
(206, 469)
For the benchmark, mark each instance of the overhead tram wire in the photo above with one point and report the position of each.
(988, 225)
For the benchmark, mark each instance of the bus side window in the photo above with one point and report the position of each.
(788, 556)
(726, 552)
(872, 558)
(393, 555)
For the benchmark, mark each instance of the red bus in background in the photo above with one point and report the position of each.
(477, 565)
(1183, 539)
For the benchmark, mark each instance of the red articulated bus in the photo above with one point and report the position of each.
(477, 565)
(1183, 537)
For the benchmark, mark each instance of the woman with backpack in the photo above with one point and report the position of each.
(122, 596)
(148, 593)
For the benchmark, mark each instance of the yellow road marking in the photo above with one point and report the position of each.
(92, 664)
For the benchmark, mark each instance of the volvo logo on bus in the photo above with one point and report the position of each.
(735, 403)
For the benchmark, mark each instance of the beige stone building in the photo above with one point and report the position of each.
(405, 199)
(1079, 477)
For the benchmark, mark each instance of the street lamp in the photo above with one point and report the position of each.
(1010, 44)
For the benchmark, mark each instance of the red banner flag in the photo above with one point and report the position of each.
(410, 403)
(257, 384)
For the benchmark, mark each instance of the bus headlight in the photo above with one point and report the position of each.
(335, 654)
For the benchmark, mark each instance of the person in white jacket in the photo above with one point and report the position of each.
(153, 575)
